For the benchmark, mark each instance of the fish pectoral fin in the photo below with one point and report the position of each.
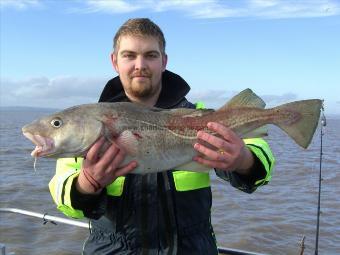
(129, 141)
(246, 98)
(193, 166)
(256, 133)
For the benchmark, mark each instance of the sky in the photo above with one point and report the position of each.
(57, 53)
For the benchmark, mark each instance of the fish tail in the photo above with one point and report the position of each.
(299, 119)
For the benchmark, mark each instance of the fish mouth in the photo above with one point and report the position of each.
(44, 145)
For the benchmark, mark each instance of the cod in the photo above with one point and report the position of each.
(163, 139)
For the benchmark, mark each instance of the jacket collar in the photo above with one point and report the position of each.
(174, 89)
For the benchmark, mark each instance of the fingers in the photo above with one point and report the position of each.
(103, 162)
(106, 145)
(92, 154)
(225, 133)
(212, 141)
(214, 159)
(114, 161)
(112, 155)
(219, 150)
(212, 163)
(224, 139)
(212, 154)
(126, 169)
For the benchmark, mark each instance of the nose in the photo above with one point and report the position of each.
(140, 63)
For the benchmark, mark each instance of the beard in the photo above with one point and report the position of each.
(141, 89)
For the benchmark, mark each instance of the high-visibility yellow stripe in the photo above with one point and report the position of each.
(71, 212)
(262, 151)
(200, 105)
(187, 180)
(64, 169)
(67, 189)
(67, 170)
(116, 188)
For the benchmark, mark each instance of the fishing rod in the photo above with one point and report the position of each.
(323, 124)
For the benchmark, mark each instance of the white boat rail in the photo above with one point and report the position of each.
(53, 219)
(46, 217)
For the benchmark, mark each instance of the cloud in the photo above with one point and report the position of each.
(20, 4)
(65, 91)
(294, 9)
(117, 6)
(198, 9)
(211, 98)
(273, 100)
(210, 9)
(58, 92)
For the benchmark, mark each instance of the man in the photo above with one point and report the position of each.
(158, 213)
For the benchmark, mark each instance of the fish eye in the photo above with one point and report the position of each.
(56, 123)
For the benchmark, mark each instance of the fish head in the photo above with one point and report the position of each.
(68, 133)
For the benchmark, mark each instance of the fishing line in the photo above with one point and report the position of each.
(35, 163)
(323, 124)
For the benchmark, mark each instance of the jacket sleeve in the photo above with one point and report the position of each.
(68, 200)
(261, 171)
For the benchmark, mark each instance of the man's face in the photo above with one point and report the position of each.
(139, 63)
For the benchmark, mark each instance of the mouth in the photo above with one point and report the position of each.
(140, 77)
(141, 74)
(44, 145)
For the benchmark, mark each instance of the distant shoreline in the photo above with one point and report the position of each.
(27, 108)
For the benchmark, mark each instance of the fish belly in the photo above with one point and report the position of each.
(158, 161)
(157, 151)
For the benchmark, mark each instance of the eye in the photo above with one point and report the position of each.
(56, 123)
(152, 56)
(128, 56)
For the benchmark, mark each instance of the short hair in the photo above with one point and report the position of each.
(140, 27)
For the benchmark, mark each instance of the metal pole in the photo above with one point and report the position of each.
(2, 249)
(46, 217)
(323, 124)
(53, 219)
(230, 251)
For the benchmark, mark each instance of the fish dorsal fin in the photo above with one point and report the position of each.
(246, 98)
(187, 113)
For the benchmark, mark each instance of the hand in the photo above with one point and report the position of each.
(102, 166)
(224, 151)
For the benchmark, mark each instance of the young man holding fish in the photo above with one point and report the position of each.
(164, 212)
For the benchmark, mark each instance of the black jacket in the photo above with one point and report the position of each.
(151, 217)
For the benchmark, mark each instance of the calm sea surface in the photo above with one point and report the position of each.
(272, 220)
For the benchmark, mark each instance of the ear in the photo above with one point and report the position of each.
(164, 61)
(114, 61)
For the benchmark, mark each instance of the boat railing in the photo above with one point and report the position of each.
(54, 219)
